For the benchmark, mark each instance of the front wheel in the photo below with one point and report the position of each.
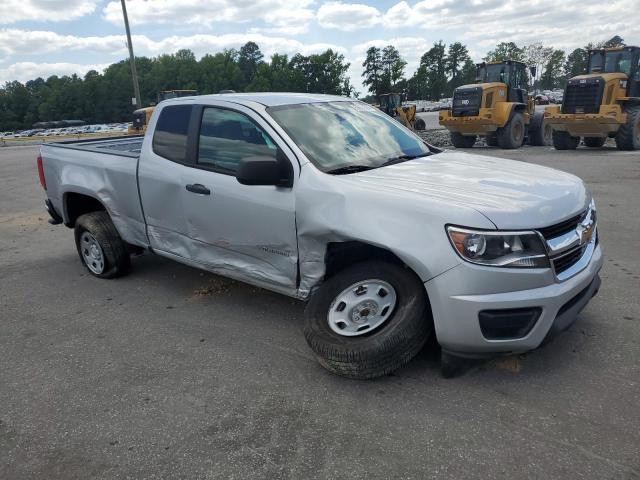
(100, 247)
(594, 142)
(462, 141)
(368, 320)
(564, 141)
(511, 136)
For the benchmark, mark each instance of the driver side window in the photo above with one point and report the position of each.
(226, 137)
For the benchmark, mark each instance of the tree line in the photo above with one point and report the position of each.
(443, 68)
(106, 97)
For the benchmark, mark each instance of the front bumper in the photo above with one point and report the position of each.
(601, 124)
(459, 295)
(481, 124)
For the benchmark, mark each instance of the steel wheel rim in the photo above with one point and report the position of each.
(548, 134)
(362, 307)
(518, 131)
(91, 253)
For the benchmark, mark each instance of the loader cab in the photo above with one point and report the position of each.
(510, 72)
(167, 94)
(618, 60)
(389, 102)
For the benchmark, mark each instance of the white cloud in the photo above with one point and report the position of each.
(24, 71)
(21, 42)
(280, 14)
(12, 11)
(348, 16)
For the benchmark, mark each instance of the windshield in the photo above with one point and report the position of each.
(493, 73)
(618, 61)
(339, 134)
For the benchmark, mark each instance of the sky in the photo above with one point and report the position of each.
(47, 37)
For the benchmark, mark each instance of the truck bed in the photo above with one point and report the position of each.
(103, 169)
(126, 146)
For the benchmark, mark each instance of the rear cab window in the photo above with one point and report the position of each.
(171, 133)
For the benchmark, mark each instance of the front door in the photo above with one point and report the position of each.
(241, 231)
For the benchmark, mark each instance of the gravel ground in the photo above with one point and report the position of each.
(175, 373)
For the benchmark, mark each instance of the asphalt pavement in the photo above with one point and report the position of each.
(178, 374)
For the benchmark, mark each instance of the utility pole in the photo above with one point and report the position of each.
(132, 58)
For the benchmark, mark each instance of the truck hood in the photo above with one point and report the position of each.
(512, 194)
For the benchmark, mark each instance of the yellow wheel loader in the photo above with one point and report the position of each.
(603, 103)
(142, 116)
(497, 107)
(391, 104)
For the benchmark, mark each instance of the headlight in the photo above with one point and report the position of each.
(499, 249)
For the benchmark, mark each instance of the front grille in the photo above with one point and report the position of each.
(583, 96)
(566, 261)
(561, 228)
(466, 102)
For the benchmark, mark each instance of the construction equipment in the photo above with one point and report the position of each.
(605, 102)
(497, 107)
(142, 116)
(391, 104)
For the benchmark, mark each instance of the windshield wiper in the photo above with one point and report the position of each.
(403, 158)
(349, 169)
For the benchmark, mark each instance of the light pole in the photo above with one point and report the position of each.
(132, 58)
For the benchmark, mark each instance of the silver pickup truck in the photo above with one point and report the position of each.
(329, 200)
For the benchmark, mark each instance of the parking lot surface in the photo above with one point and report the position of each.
(175, 373)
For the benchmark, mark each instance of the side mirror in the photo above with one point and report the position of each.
(533, 71)
(264, 170)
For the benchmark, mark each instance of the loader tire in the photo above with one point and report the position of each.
(628, 137)
(462, 141)
(564, 141)
(491, 140)
(540, 132)
(594, 142)
(420, 124)
(511, 136)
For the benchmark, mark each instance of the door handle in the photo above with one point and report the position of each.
(198, 188)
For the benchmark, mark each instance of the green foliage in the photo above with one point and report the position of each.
(553, 76)
(106, 97)
(505, 51)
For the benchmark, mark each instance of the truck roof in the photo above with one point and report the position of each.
(269, 99)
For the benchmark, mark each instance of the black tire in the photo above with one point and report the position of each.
(540, 133)
(117, 261)
(389, 346)
(462, 141)
(491, 140)
(511, 136)
(564, 141)
(628, 137)
(595, 142)
(419, 124)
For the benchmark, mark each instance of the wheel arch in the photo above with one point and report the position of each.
(75, 204)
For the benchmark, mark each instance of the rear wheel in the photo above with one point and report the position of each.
(491, 140)
(564, 141)
(100, 247)
(462, 141)
(419, 124)
(512, 134)
(628, 137)
(368, 320)
(540, 132)
(594, 142)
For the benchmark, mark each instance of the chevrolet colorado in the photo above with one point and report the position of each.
(328, 200)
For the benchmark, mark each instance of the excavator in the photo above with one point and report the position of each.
(603, 103)
(498, 107)
(391, 104)
(142, 116)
